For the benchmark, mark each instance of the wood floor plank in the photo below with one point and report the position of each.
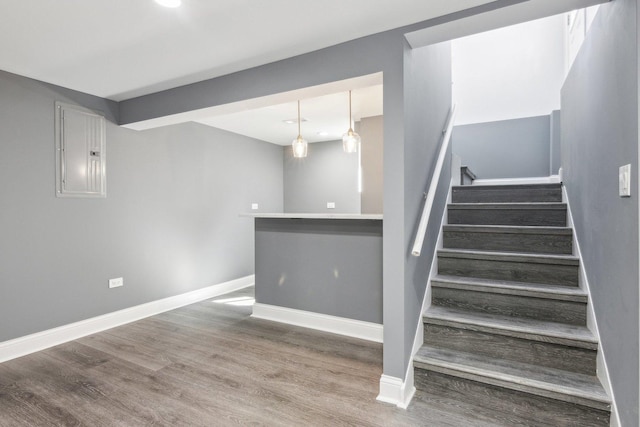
(133, 351)
(20, 407)
(68, 391)
(211, 364)
(156, 399)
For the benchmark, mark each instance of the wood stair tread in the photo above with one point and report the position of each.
(534, 290)
(510, 256)
(506, 193)
(547, 382)
(509, 229)
(541, 186)
(530, 329)
(509, 205)
(507, 316)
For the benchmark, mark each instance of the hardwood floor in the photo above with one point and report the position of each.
(210, 364)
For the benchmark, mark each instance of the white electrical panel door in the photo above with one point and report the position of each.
(80, 152)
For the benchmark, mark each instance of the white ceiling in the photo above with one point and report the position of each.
(119, 49)
(327, 117)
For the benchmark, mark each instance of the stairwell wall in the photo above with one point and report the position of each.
(515, 148)
(554, 143)
(599, 134)
(427, 98)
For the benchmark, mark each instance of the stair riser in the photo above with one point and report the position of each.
(493, 402)
(497, 195)
(552, 274)
(492, 216)
(551, 310)
(509, 242)
(540, 353)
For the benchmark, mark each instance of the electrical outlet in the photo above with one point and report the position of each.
(331, 205)
(254, 206)
(116, 283)
(624, 181)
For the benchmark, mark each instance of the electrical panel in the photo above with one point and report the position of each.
(80, 152)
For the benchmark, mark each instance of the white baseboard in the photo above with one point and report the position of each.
(322, 322)
(42, 340)
(395, 391)
(553, 179)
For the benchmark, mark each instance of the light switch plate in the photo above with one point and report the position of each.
(331, 205)
(254, 206)
(116, 283)
(624, 181)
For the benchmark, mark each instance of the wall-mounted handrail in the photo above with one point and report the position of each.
(435, 179)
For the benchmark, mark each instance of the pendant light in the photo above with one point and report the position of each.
(299, 144)
(350, 140)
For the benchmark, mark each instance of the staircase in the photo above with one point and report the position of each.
(506, 331)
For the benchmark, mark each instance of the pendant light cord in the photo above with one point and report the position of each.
(349, 110)
(298, 119)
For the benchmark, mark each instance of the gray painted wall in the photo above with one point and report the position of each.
(516, 148)
(331, 267)
(599, 134)
(169, 224)
(371, 130)
(381, 52)
(427, 103)
(555, 142)
(384, 52)
(327, 174)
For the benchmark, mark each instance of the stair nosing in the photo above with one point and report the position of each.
(509, 205)
(563, 259)
(504, 287)
(533, 331)
(545, 185)
(509, 229)
(517, 382)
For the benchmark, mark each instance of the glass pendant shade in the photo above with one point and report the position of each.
(299, 145)
(350, 140)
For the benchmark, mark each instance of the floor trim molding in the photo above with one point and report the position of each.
(338, 325)
(395, 391)
(42, 340)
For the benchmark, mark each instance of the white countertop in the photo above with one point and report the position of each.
(312, 215)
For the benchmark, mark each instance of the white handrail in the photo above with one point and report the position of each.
(435, 178)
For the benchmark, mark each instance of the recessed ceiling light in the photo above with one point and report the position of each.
(169, 3)
(323, 133)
